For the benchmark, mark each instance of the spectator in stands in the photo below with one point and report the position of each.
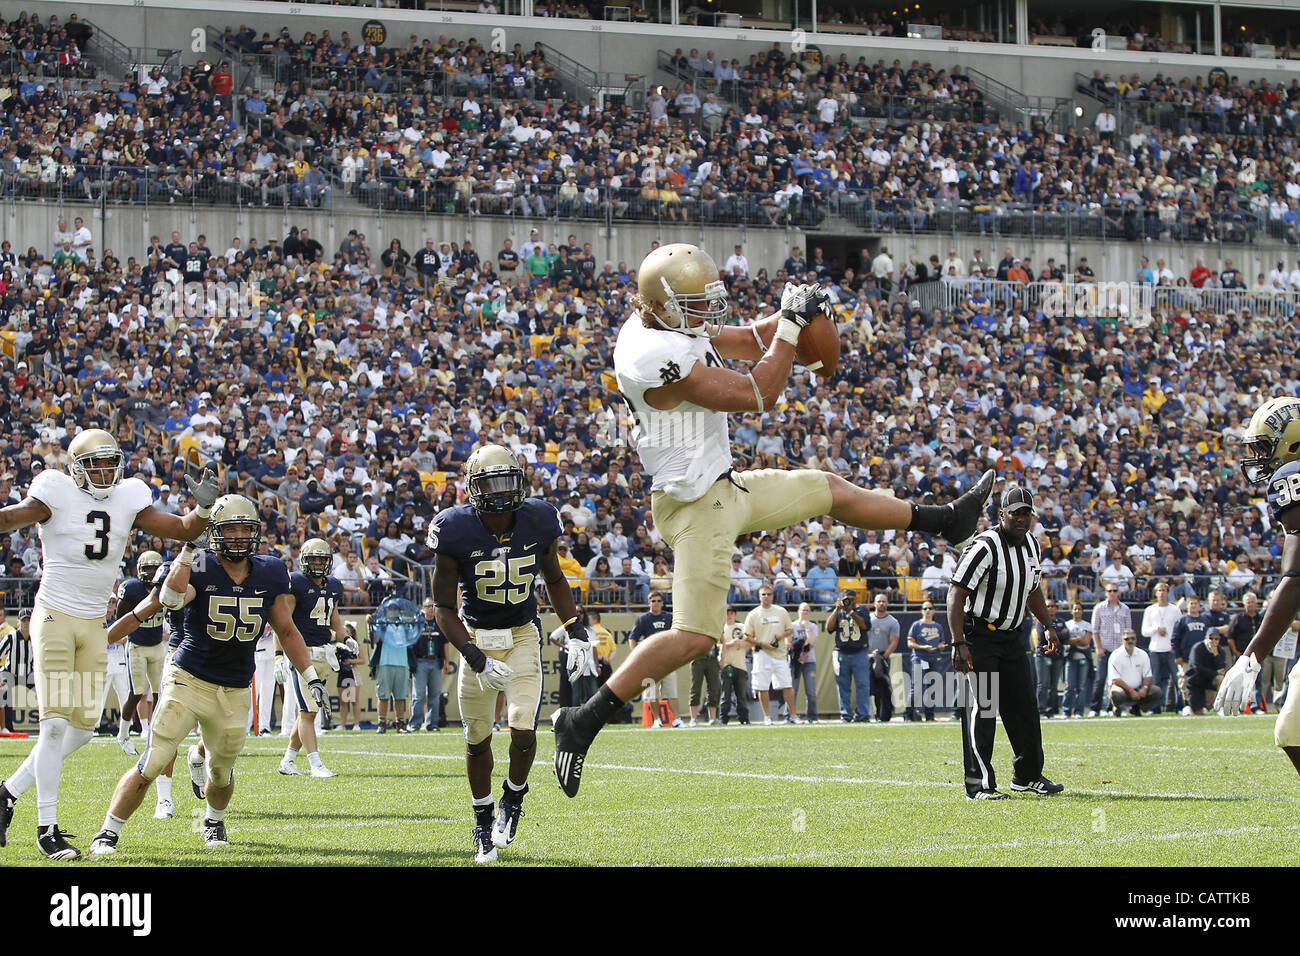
(1129, 679)
(1111, 619)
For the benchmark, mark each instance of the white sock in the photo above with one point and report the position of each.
(482, 801)
(215, 815)
(290, 754)
(113, 824)
(74, 740)
(515, 786)
(319, 722)
(49, 769)
(21, 780)
(313, 758)
(123, 729)
(145, 723)
(164, 789)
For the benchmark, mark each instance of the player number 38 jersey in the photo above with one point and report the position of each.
(83, 540)
(687, 448)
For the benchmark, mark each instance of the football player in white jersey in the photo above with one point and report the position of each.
(85, 518)
(669, 361)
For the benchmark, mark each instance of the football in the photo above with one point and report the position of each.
(819, 346)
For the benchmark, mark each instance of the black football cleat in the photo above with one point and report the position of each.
(967, 509)
(570, 750)
(54, 844)
(103, 843)
(214, 833)
(1042, 786)
(7, 803)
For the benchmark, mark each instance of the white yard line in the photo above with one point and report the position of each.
(852, 781)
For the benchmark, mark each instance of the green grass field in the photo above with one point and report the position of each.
(1182, 791)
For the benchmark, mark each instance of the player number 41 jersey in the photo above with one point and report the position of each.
(83, 540)
(496, 573)
(314, 607)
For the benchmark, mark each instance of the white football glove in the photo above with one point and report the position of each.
(351, 645)
(835, 662)
(802, 303)
(282, 669)
(495, 675)
(579, 656)
(1237, 686)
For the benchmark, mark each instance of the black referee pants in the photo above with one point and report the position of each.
(1000, 683)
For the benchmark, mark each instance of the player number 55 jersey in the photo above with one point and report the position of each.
(83, 540)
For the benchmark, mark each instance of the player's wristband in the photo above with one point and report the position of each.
(186, 557)
(475, 658)
(202, 512)
(959, 643)
(787, 331)
(172, 600)
(136, 616)
(309, 674)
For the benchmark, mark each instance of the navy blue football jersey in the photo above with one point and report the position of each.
(497, 571)
(225, 619)
(314, 607)
(1284, 488)
(131, 593)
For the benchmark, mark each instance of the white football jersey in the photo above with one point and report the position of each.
(83, 540)
(686, 449)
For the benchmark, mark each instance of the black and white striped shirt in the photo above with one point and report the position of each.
(16, 656)
(1000, 576)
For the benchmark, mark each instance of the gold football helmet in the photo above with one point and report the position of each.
(316, 558)
(235, 530)
(96, 462)
(147, 565)
(683, 282)
(494, 480)
(1272, 438)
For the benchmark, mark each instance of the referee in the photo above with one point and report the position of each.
(998, 577)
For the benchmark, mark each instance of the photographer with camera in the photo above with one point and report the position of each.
(850, 659)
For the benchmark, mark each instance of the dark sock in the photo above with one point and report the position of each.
(5, 794)
(599, 708)
(508, 792)
(483, 816)
(932, 519)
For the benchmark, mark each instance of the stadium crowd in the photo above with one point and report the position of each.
(447, 127)
(362, 382)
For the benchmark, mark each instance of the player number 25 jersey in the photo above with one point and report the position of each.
(687, 448)
(497, 575)
(83, 540)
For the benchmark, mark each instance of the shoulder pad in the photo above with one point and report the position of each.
(657, 357)
(1284, 488)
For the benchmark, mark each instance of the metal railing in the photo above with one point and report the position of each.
(1127, 300)
(396, 190)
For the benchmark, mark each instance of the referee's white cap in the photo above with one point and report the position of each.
(1015, 498)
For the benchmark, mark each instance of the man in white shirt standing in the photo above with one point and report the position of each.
(737, 264)
(1158, 623)
(1129, 677)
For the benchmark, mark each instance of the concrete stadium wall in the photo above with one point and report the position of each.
(619, 48)
(126, 230)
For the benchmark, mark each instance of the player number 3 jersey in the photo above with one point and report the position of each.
(83, 540)
(687, 448)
